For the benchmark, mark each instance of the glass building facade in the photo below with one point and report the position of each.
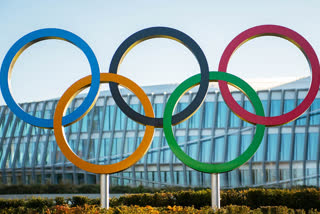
(288, 155)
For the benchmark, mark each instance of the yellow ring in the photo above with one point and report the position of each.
(66, 99)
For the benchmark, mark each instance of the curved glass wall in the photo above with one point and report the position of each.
(287, 156)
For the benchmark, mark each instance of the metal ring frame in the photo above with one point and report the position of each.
(202, 79)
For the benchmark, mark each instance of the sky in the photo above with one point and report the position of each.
(46, 69)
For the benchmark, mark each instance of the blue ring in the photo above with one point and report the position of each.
(25, 42)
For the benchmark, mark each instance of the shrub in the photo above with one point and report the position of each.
(95, 201)
(83, 188)
(196, 198)
(88, 188)
(11, 203)
(79, 201)
(255, 199)
(233, 197)
(296, 198)
(236, 209)
(157, 199)
(39, 204)
(230, 209)
(59, 200)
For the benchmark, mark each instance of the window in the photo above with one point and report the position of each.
(192, 177)
(141, 161)
(93, 149)
(302, 120)
(258, 156)
(120, 118)
(49, 153)
(22, 148)
(232, 147)
(116, 150)
(315, 112)
(194, 121)
(312, 172)
(48, 113)
(287, 107)
(18, 127)
(2, 123)
(129, 146)
(244, 177)
(180, 107)
(232, 179)
(10, 126)
(86, 122)
(298, 146)
(206, 151)
(272, 147)
(312, 146)
(74, 128)
(181, 143)
(116, 145)
(40, 152)
(284, 174)
(245, 142)
(234, 120)
(218, 149)
(165, 177)
(36, 130)
(12, 148)
(221, 115)
(178, 177)
(30, 153)
(157, 107)
(192, 150)
(165, 155)
(247, 106)
(207, 121)
(59, 155)
(285, 147)
(275, 108)
(131, 125)
(108, 118)
(3, 152)
(72, 145)
(26, 129)
(104, 149)
(257, 176)
(271, 175)
(82, 148)
(96, 118)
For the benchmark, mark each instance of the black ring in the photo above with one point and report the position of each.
(160, 32)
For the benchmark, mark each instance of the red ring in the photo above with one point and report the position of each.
(296, 39)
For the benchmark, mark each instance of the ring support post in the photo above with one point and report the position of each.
(104, 190)
(215, 191)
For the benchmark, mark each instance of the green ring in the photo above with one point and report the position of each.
(207, 167)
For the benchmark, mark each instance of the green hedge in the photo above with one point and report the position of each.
(253, 198)
(49, 188)
(305, 199)
(297, 199)
(84, 188)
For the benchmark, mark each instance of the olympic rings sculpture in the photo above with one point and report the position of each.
(149, 120)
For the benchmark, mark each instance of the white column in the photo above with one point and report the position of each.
(104, 190)
(215, 191)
